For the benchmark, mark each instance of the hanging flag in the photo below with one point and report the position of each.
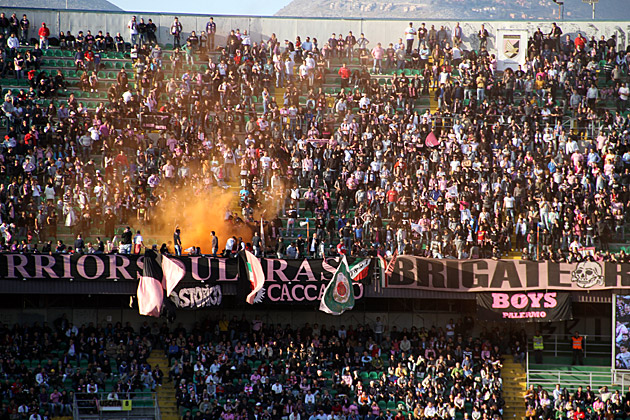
(360, 269)
(255, 276)
(173, 272)
(339, 294)
(390, 267)
(416, 227)
(431, 140)
(452, 191)
(150, 292)
(382, 266)
(160, 273)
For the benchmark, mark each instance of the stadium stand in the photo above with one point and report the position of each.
(334, 134)
(225, 368)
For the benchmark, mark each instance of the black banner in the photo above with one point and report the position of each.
(477, 276)
(300, 281)
(288, 281)
(527, 306)
(196, 297)
(155, 121)
(115, 267)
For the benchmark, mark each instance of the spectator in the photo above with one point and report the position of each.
(43, 33)
(176, 30)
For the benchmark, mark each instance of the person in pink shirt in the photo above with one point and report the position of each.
(377, 54)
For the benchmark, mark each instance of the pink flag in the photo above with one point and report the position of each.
(431, 140)
(255, 274)
(173, 272)
(150, 296)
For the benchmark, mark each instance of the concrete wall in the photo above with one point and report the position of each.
(261, 28)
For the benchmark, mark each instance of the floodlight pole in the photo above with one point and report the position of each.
(593, 4)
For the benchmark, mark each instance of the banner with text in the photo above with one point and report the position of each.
(500, 275)
(301, 281)
(288, 281)
(528, 307)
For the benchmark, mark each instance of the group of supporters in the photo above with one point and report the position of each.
(44, 367)
(244, 368)
(582, 404)
(532, 160)
(240, 368)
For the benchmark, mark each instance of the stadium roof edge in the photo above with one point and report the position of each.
(405, 19)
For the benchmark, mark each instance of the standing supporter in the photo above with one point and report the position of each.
(43, 33)
(176, 30)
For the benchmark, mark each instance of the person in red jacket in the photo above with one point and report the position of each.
(344, 73)
(580, 43)
(43, 33)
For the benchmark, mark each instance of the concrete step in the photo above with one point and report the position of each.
(166, 393)
(168, 410)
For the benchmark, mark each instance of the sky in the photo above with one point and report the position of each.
(212, 7)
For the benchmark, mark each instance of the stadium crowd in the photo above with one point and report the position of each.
(44, 367)
(583, 403)
(532, 160)
(239, 368)
(317, 372)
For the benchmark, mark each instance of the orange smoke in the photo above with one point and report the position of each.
(197, 212)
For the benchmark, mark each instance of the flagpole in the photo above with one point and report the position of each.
(262, 236)
(262, 233)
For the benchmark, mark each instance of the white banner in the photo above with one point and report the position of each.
(511, 48)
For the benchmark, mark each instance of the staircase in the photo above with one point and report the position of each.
(514, 387)
(513, 255)
(278, 94)
(166, 392)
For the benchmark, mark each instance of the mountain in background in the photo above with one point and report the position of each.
(101, 5)
(456, 9)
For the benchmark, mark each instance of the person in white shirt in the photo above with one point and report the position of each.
(133, 30)
(138, 243)
(430, 411)
(92, 388)
(309, 398)
(303, 71)
(245, 39)
(624, 93)
(13, 43)
(288, 68)
(591, 96)
(277, 388)
(410, 36)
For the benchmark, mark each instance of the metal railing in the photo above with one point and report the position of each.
(621, 378)
(560, 345)
(569, 379)
(112, 405)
